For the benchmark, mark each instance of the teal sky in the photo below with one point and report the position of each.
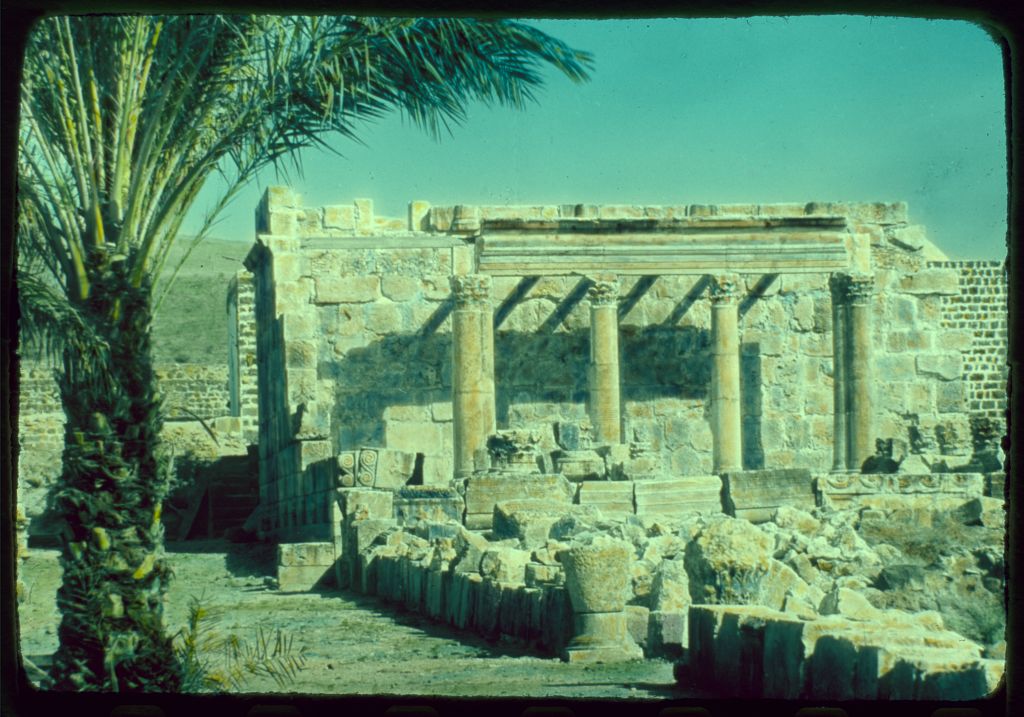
(682, 111)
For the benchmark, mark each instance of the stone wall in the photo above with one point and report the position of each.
(980, 307)
(201, 389)
(242, 371)
(355, 315)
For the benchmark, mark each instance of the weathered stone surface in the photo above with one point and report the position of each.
(931, 281)
(670, 589)
(610, 497)
(947, 367)
(346, 289)
(485, 490)
(678, 495)
(362, 503)
(761, 653)
(597, 574)
(766, 490)
(528, 521)
(579, 465)
(426, 503)
(305, 554)
(506, 565)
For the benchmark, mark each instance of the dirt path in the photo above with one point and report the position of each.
(354, 644)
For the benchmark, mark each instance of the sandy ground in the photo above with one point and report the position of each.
(354, 645)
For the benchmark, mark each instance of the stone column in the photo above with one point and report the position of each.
(725, 376)
(473, 411)
(603, 371)
(859, 445)
(837, 283)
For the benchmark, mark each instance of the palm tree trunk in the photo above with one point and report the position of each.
(112, 634)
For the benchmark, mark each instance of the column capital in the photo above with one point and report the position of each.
(838, 283)
(724, 288)
(471, 290)
(859, 288)
(604, 291)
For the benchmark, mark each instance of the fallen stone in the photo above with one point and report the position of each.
(756, 495)
(528, 521)
(791, 518)
(671, 497)
(637, 622)
(506, 565)
(849, 604)
(726, 561)
(670, 589)
(667, 635)
(900, 577)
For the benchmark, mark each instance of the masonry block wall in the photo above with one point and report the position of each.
(188, 390)
(980, 308)
(242, 371)
(355, 344)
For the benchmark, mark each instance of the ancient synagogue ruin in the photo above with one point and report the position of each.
(580, 426)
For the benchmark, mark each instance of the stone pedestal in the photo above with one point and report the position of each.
(603, 370)
(860, 443)
(596, 577)
(725, 376)
(473, 411)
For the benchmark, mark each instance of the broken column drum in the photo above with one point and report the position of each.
(473, 409)
(725, 376)
(603, 371)
(597, 576)
(860, 442)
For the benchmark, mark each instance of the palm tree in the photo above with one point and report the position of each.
(122, 121)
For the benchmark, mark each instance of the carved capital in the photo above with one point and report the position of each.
(724, 288)
(859, 289)
(604, 291)
(838, 283)
(471, 290)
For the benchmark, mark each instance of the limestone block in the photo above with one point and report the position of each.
(540, 575)
(383, 318)
(413, 436)
(528, 521)
(302, 578)
(485, 490)
(767, 489)
(424, 503)
(399, 287)
(506, 565)
(364, 533)
(346, 289)
(441, 411)
(849, 604)
(607, 496)
(305, 554)
(678, 495)
(948, 366)
(637, 623)
(579, 465)
(394, 468)
(670, 589)
(931, 281)
(898, 367)
(363, 503)
(794, 519)
(990, 512)
(666, 634)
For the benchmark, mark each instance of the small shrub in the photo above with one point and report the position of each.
(198, 644)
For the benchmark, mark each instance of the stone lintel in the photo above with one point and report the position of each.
(660, 254)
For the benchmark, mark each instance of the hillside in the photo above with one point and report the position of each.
(191, 324)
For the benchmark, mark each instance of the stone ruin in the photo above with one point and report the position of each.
(618, 431)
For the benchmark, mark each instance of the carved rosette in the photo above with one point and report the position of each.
(859, 289)
(724, 288)
(603, 291)
(471, 291)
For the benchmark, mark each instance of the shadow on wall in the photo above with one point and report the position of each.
(405, 371)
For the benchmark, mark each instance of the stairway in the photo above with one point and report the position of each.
(225, 492)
